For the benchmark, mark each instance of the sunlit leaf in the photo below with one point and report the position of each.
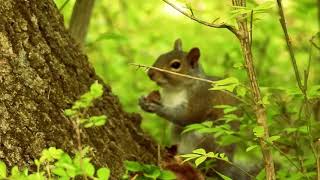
(273, 138)
(258, 131)
(3, 170)
(133, 166)
(223, 176)
(251, 148)
(200, 160)
(103, 173)
(167, 175)
(199, 151)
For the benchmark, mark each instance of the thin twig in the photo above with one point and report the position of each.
(221, 25)
(159, 154)
(313, 38)
(284, 154)
(189, 77)
(174, 73)
(232, 164)
(289, 46)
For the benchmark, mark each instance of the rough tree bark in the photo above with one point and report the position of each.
(42, 71)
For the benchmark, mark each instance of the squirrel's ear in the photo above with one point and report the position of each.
(193, 56)
(177, 45)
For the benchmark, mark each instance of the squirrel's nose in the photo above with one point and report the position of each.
(151, 73)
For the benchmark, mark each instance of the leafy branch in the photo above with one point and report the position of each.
(200, 155)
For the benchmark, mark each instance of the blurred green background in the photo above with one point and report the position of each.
(127, 31)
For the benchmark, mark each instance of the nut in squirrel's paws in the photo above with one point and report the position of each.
(151, 102)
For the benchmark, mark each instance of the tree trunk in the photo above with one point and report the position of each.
(42, 72)
(80, 19)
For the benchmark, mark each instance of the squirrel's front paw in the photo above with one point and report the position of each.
(147, 105)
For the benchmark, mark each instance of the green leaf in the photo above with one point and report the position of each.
(212, 155)
(199, 151)
(65, 158)
(230, 117)
(265, 6)
(96, 89)
(229, 88)
(88, 124)
(314, 91)
(290, 130)
(200, 160)
(228, 84)
(238, 65)
(63, 178)
(207, 123)
(223, 176)
(273, 138)
(258, 131)
(55, 153)
(303, 129)
(226, 108)
(251, 148)
(241, 91)
(15, 171)
(261, 175)
(37, 162)
(167, 175)
(36, 176)
(96, 121)
(189, 159)
(71, 170)
(103, 173)
(25, 172)
(82, 103)
(3, 170)
(133, 166)
(50, 154)
(192, 127)
(60, 172)
(265, 100)
(88, 168)
(85, 101)
(239, 11)
(190, 155)
(101, 122)
(152, 172)
(70, 112)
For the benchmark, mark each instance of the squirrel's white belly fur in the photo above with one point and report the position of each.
(173, 98)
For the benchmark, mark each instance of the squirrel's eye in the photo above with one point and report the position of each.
(175, 64)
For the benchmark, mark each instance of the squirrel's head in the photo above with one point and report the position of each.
(177, 61)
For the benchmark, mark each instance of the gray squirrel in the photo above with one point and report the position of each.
(184, 101)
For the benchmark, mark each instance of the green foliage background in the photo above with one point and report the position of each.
(123, 31)
(126, 31)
